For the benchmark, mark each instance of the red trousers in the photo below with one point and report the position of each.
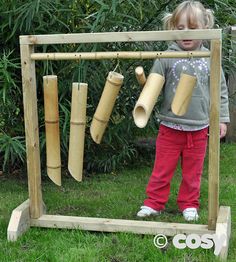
(171, 145)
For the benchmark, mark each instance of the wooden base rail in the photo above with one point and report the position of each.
(20, 222)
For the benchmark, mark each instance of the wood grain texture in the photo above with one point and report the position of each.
(214, 131)
(31, 131)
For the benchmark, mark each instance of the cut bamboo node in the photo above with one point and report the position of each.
(140, 75)
(183, 94)
(147, 99)
(51, 122)
(101, 120)
(51, 110)
(105, 106)
(77, 130)
(53, 167)
(77, 123)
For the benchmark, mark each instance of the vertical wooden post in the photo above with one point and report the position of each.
(214, 138)
(31, 131)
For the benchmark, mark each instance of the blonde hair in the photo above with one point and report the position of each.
(194, 10)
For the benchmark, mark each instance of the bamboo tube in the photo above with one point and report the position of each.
(52, 128)
(147, 99)
(105, 106)
(140, 75)
(77, 129)
(118, 55)
(183, 94)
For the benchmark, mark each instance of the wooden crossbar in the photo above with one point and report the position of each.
(118, 55)
(119, 225)
(108, 37)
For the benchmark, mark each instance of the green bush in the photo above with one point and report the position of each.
(54, 16)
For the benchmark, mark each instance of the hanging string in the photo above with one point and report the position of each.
(46, 71)
(200, 70)
(80, 71)
(47, 66)
(117, 66)
(162, 71)
(191, 62)
(51, 68)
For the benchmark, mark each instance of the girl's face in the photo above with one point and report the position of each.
(184, 23)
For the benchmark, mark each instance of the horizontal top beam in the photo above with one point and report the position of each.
(141, 36)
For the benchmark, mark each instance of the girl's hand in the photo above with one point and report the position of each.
(223, 130)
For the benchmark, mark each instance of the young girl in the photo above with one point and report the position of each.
(184, 136)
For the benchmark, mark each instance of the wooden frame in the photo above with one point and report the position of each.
(31, 212)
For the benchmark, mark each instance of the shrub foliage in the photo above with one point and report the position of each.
(83, 16)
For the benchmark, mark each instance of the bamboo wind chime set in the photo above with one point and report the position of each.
(77, 123)
(152, 87)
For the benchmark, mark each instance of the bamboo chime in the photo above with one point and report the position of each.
(53, 154)
(183, 94)
(77, 129)
(105, 105)
(140, 75)
(147, 99)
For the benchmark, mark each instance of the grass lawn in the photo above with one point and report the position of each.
(115, 195)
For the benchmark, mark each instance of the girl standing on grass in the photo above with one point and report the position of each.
(184, 136)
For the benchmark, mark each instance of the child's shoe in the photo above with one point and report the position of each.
(190, 214)
(146, 211)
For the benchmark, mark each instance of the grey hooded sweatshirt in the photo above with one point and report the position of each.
(198, 110)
